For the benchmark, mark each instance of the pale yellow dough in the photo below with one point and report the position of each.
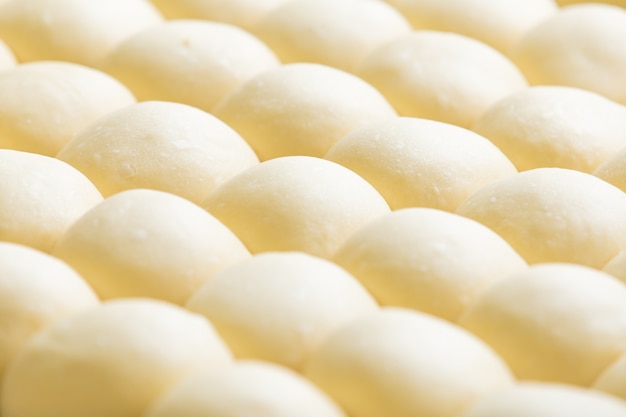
(621, 3)
(613, 379)
(43, 104)
(72, 30)
(160, 145)
(7, 60)
(553, 322)
(330, 32)
(554, 215)
(421, 163)
(40, 197)
(301, 109)
(554, 126)
(617, 266)
(580, 46)
(297, 203)
(613, 170)
(402, 363)
(188, 61)
(441, 76)
(146, 243)
(110, 361)
(280, 307)
(428, 260)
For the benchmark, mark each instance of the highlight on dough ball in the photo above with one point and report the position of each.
(7, 59)
(554, 215)
(192, 62)
(72, 30)
(301, 109)
(613, 379)
(296, 203)
(111, 361)
(441, 76)
(280, 307)
(43, 104)
(40, 197)
(553, 126)
(159, 145)
(421, 163)
(553, 322)
(146, 243)
(613, 170)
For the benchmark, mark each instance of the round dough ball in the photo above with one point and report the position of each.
(111, 361)
(613, 170)
(269, 390)
(547, 400)
(553, 322)
(280, 307)
(43, 104)
(441, 76)
(40, 197)
(296, 203)
(188, 61)
(72, 30)
(331, 32)
(402, 363)
(617, 266)
(554, 215)
(613, 379)
(428, 260)
(579, 47)
(160, 145)
(146, 243)
(301, 109)
(7, 60)
(554, 126)
(421, 163)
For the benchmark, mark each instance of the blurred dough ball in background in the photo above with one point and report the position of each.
(621, 3)
(7, 59)
(613, 379)
(613, 171)
(43, 104)
(71, 30)
(441, 76)
(188, 61)
(617, 266)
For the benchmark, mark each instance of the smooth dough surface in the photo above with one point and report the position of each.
(193, 62)
(301, 109)
(421, 163)
(441, 76)
(146, 243)
(7, 59)
(554, 215)
(159, 145)
(551, 126)
(296, 203)
(43, 104)
(111, 361)
(613, 170)
(553, 322)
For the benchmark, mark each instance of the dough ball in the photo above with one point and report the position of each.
(617, 266)
(554, 215)
(499, 24)
(402, 363)
(547, 400)
(160, 145)
(7, 60)
(297, 203)
(331, 32)
(301, 109)
(40, 197)
(281, 306)
(43, 104)
(110, 361)
(428, 260)
(553, 126)
(613, 170)
(72, 30)
(553, 322)
(441, 76)
(421, 163)
(146, 243)
(579, 46)
(188, 61)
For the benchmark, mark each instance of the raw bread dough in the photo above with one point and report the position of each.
(617, 266)
(613, 379)
(146, 243)
(160, 145)
(297, 203)
(613, 170)
(7, 60)
(421, 163)
(553, 322)
(301, 109)
(621, 3)
(110, 361)
(281, 306)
